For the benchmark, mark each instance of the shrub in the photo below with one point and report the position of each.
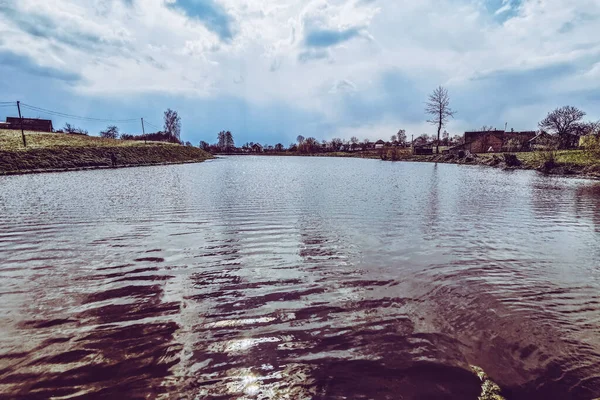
(591, 145)
(511, 160)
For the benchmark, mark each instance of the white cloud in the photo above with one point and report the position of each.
(147, 47)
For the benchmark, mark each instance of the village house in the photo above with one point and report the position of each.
(380, 144)
(494, 142)
(257, 148)
(29, 124)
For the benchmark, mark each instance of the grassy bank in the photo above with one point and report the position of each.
(566, 162)
(59, 152)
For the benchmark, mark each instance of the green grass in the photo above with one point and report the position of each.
(11, 140)
(575, 158)
(52, 151)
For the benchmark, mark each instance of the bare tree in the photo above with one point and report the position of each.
(564, 122)
(204, 145)
(229, 142)
(221, 140)
(438, 107)
(401, 136)
(173, 124)
(111, 132)
(394, 138)
(336, 144)
(74, 130)
(487, 128)
(300, 139)
(445, 138)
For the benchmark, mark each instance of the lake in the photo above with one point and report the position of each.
(299, 278)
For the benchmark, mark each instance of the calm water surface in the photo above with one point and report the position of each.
(299, 278)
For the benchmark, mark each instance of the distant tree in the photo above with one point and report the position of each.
(204, 145)
(70, 129)
(221, 140)
(394, 138)
(309, 145)
(229, 142)
(111, 132)
(300, 139)
(422, 140)
(438, 107)
(173, 124)
(563, 121)
(336, 144)
(189, 144)
(487, 128)
(401, 135)
(457, 140)
(293, 147)
(279, 147)
(445, 138)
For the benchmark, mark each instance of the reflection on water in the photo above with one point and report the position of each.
(299, 278)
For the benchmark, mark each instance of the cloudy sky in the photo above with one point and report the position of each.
(269, 70)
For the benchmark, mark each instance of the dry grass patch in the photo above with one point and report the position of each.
(11, 140)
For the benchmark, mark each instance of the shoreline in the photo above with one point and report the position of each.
(495, 160)
(93, 168)
(51, 152)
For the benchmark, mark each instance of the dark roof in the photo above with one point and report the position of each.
(380, 142)
(33, 123)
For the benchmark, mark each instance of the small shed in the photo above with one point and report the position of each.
(29, 124)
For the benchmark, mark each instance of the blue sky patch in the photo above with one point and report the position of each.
(211, 14)
(328, 37)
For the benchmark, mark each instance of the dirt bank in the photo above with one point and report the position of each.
(517, 161)
(94, 154)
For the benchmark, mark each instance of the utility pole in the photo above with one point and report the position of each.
(505, 126)
(21, 120)
(143, 131)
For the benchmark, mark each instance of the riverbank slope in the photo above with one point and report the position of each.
(49, 152)
(565, 162)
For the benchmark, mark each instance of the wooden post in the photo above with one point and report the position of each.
(21, 121)
(143, 131)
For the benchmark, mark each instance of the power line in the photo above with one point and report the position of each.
(65, 115)
(152, 125)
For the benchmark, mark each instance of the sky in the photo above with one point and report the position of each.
(270, 70)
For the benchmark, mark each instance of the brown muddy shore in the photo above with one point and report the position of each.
(523, 161)
(512, 162)
(60, 159)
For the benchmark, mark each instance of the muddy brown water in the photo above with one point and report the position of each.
(299, 278)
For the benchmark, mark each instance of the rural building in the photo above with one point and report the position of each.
(29, 124)
(380, 144)
(494, 141)
(423, 150)
(257, 148)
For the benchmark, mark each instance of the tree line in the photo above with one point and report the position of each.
(171, 131)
